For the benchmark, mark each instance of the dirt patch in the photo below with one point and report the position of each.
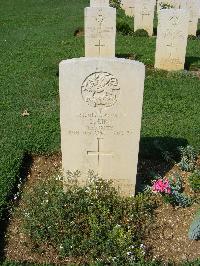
(79, 32)
(196, 73)
(166, 239)
(168, 236)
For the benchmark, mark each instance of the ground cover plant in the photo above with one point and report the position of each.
(47, 223)
(92, 222)
(35, 37)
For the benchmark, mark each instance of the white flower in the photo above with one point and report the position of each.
(117, 225)
(26, 214)
(142, 246)
(15, 197)
(58, 178)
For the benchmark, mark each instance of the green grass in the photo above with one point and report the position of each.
(35, 37)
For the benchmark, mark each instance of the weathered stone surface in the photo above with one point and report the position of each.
(194, 10)
(144, 15)
(100, 31)
(171, 41)
(193, 7)
(100, 116)
(129, 7)
(99, 3)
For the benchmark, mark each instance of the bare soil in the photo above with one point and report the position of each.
(79, 32)
(165, 240)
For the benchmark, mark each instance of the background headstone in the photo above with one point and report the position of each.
(171, 40)
(100, 115)
(100, 31)
(98, 3)
(194, 10)
(144, 15)
(193, 7)
(129, 7)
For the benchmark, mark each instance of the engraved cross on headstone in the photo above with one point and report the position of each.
(171, 46)
(99, 45)
(99, 153)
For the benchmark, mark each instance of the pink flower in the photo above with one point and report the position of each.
(162, 186)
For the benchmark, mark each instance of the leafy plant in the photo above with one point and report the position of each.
(124, 23)
(171, 190)
(124, 28)
(92, 221)
(194, 231)
(141, 33)
(165, 6)
(188, 158)
(181, 199)
(192, 37)
(194, 180)
(115, 3)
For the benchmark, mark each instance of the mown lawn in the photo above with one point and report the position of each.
(34, 37)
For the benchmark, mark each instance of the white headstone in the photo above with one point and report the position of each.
(193, 7)
(199, 9)
(99, 3)
(144, 15)
(100, 31)
(129, 7)
(100, 115)
(171, 41)
(194, 10)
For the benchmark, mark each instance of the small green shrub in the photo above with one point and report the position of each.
(115, 3)
(93, 221)
(194, 231)
(192, 37)
(188, 158)
(124, 23)
(141, 33)
(194, 181)
(165, 6)
(124, 28)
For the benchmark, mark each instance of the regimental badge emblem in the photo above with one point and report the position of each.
(100, 90)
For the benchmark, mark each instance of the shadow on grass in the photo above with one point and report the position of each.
(189, 61)
(23, 173)
(157, 155)
(154, 147)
